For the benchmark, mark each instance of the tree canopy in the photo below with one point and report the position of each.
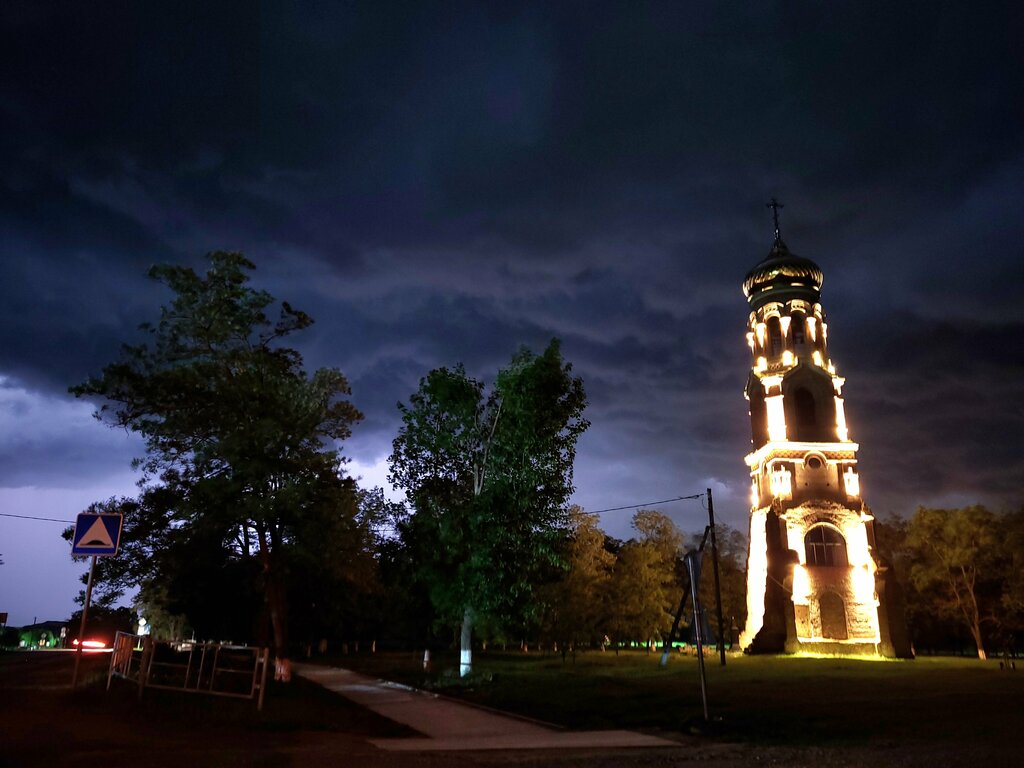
(960, 561)
(489, 475)
(241, 443)
(576, 603)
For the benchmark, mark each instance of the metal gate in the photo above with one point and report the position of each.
(214, 669)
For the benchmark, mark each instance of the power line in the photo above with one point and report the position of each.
(29, 517)
(648, 503)
(595, 512)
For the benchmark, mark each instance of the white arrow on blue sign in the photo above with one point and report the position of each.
(97, 535)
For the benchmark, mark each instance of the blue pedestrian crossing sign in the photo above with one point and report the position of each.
(97, 535)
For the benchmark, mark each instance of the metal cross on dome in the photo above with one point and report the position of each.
(775, 205)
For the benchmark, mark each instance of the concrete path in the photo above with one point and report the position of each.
(451, 725)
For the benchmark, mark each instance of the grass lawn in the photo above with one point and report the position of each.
(768, 700)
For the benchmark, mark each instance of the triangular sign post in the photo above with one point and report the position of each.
(96, 535)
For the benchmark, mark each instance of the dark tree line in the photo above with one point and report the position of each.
(961, 572)
(619, 592)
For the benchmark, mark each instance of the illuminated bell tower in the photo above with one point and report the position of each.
(813, 581)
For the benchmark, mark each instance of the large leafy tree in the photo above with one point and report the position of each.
(657, 530)
(489, 475)
(575, 602)
(335, 578)
(960, 560)
(646, 584)
(1013, 588)
(637, 598)
(930, 626)
(732, 557)
(238, 435)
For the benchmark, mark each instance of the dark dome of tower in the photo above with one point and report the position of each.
(782, 276)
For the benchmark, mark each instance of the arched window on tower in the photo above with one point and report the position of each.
(806, 416)
(758, 416)
(797, 326)
(824, 545)
(774, 337)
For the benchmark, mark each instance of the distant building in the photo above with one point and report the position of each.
(814, 581)
(44, 634)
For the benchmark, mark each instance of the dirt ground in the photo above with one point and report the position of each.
(44, 723)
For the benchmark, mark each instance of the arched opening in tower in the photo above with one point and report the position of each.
(832, 611)
(825, 546)
(806, 418)
(774, 337)
(797, 330)
(758, 415)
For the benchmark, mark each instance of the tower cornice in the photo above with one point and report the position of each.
(793, 450)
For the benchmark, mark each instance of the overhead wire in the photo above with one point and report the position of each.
(30, 517)
(595, 512)
(647, 504)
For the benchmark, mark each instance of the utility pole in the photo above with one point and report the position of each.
(718, 586)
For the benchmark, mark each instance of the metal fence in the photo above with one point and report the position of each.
(214, 669)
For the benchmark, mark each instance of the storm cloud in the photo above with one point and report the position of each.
(437, 183)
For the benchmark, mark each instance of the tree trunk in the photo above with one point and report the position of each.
(976, 634)
(277, 604)
(466, 644)
(275, 598)
(971, 612)
(975, 615)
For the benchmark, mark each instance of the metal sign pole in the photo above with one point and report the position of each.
(667, 647)
(698, 628)
(81, 627)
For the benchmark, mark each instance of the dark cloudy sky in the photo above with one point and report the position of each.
(444, 182)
